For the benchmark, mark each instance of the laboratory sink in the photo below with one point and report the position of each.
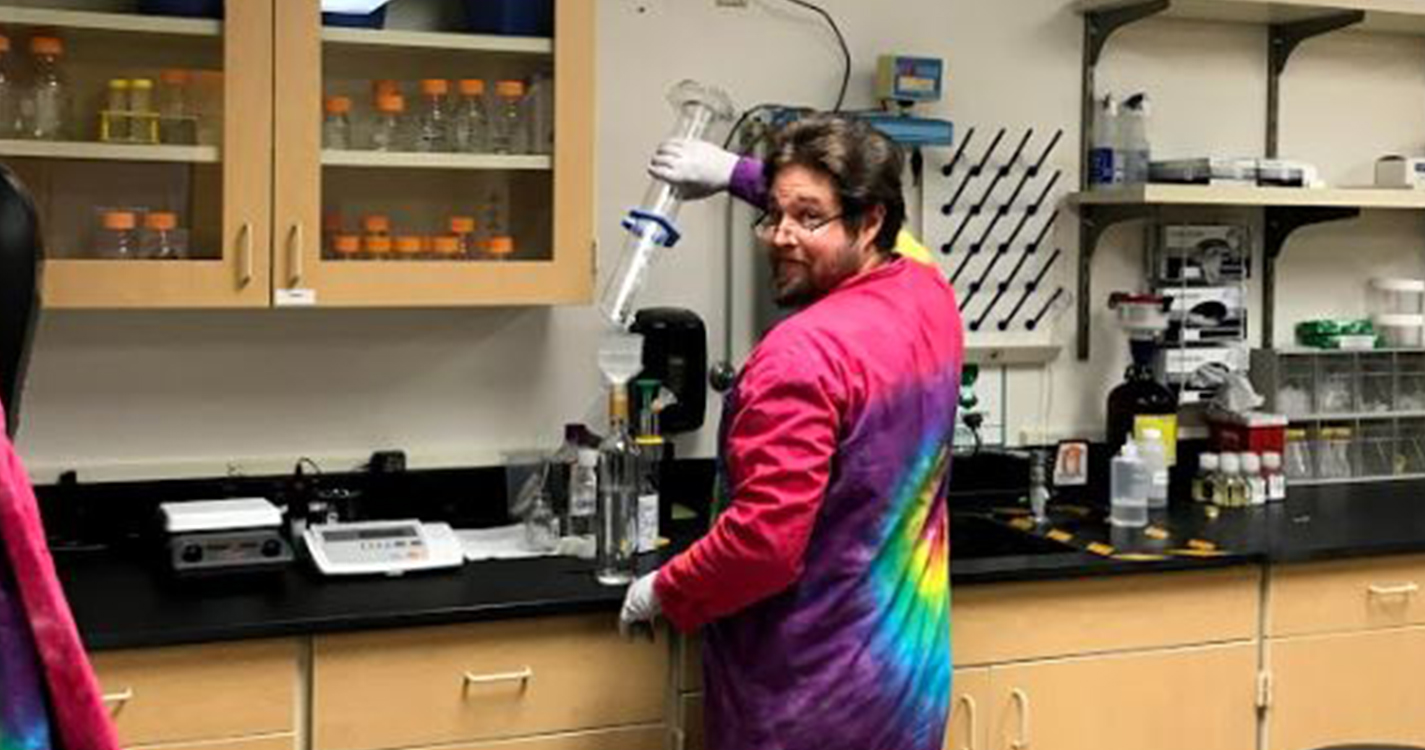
(978, 537)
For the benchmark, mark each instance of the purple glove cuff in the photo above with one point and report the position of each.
(748, 182)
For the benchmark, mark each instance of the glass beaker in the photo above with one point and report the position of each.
(652, 225)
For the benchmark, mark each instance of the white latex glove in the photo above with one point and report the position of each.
(695, 167)
(640, 605)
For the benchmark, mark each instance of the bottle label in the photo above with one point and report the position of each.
(647, 522)
(1101, 167)
(1167, 426)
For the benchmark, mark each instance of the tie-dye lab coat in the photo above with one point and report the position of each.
(823, 589)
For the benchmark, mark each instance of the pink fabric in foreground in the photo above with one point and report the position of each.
(81, 720)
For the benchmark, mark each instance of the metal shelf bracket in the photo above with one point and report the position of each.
(1093, 222)
(1282, 41)
(1279, 224)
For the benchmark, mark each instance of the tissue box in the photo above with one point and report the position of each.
(1254, 432)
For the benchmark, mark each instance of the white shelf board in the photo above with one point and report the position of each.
(1356, 416)
(128, 23)
(438, 40)
(1202, 195)
(108, 151)
(411, 160)
(1385, 16)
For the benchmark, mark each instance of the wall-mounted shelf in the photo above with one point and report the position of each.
(1010, 356)
(413, 160)
(1384, 16)
(108, 151)
(438, 41)
(126, 23)
(1251, 197)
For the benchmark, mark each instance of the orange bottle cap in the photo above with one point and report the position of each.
(391, 104)
(174, 76)
(161, 220)
(376, 223)
(509, 88)
(4, 43)
(346, 244)
(446, 244)
(46, 45)
(384, 87)
(462, 224)
(435, 87)
(119, 84)
(410, 244)
(119, 220)
(501, 246)
(377, 244)
(338, 105)
(472, 86)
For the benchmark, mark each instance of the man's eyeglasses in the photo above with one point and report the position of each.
(766, 225)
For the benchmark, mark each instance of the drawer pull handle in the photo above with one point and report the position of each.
(1404, 589)
(970, 718)
(244, 264)
(294, 254)
(1021, 699)
(119, 698)
(522, 677)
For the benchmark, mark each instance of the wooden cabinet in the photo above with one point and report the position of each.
(482, 681)
(263, 201)
(1346, 595)
(627, 738)
(203, 693)
(1174, 699)
(968, 727)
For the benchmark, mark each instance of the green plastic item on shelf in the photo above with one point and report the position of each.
(1326, 334)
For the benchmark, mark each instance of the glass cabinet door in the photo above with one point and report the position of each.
(144, 138)
(433, 162)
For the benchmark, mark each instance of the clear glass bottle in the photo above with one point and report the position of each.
(541, 525)
(177, 115)
(433, 122)
(651, 448)
(388, 130)
(540, 106)
(10, 121)
(376, 236)
(162, 239)
(1204, 482)
(618, 495)
(584, 497)
(497, 243)
(117, 238)
(336, 125)
(1252, 475)
(1233, 488)
(463, 227)
(1275, 476)
(49, 92)
(471, 123)
(114, 123)
(143, 117)
(509, 123)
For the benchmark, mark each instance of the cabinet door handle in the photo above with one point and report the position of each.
(1404, 589)
(1021, 701)
(119, 698)
(522, 677)
(244, 264)
(294, 254)
(970, 719)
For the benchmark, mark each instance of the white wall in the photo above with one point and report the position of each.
(148, 394)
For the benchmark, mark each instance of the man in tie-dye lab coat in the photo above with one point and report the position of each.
(823, 588)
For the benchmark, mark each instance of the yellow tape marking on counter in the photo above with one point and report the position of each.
(1155, 532)
(1023, 524)
(1060, 536)
(1099, 548)
(1201, 544)
(1139, 557)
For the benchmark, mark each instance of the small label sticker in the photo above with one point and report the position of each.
(294, 297)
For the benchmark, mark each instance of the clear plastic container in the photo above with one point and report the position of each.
(1397, 297)
(114, 122)
(470, 131)
(10, 120)
(1400, 331)
(336, 125)
(1297, 461)
(117, 238)
(1336, 386)
(509, 125)
(1376, 448)
(162, 239)
(388, 131)
(1128, 484)
(143, 116)
(177, 111)
(433, 123)
(49, 91)
(1410, 382)
(1377, 382)
(1296, 392)
(1410, 448)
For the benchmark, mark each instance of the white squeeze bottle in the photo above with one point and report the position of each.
(1128, 489)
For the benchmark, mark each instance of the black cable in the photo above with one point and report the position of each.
(841, 40)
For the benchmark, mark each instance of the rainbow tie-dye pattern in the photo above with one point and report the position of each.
(24, 720)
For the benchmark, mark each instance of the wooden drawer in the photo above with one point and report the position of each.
(1346, 595)
(1035, 620)
(281, 742)
(483, 681)
(212, 691)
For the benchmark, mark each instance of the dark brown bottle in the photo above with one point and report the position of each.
(1140, 395)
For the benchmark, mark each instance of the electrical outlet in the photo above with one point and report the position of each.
(731, 3)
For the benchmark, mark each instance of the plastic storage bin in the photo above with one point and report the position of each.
(1397, 297)
(1400, 331)
(190, 8)
(374, 20)
(516, 17)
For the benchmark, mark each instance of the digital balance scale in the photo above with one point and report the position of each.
(384, 547)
